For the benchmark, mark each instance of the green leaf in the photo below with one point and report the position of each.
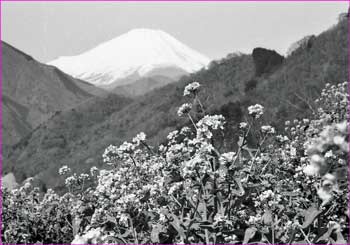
(156, 229)
(177, 226)
(310, 215)
(335, 229)
(300, 242)
(195, 226)
(240, 141)
(340, 238)
(114, 240)
(126, 233)
(76, 225)
(250, 151)
(240, 191)
(325, 236)
(112, 219)
(267, 217)
(249, 234)
(206, 225)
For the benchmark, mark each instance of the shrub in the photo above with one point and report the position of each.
(266, 60)
(250, 85)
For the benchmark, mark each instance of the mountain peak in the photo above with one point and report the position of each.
(141, 33)
(134, 54)
(145, 30)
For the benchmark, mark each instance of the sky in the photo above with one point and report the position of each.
(47, 30)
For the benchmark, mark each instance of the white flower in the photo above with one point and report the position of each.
(227, 157)
(342, 127)
(254, 219)
(72, 180)
(109, 154)
(281, 138)
(293, 151)
(191, 88)
(329, 178)
(172, 135)
(329, 154)
(311, 169)
(64, 170)
(184, 109)
(317, 159)
(231, 239)
(214, 121)
(174, 188)
(219, 218)
(79, 240)
(162, 218)
(126, 147)
(93, 170)
(93, 233)
(84, 177)
(256, 110)
(124, 220)
(185, 130)
(266, 194)
(305, 120)
(243, 125)
(324, 195)
(339, 140)
(162, 148)
(209, 122)
(141, 137)
(27, 185)
(90, 237)
(267, 129)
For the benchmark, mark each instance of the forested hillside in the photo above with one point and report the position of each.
(287, 89)
(33, 91)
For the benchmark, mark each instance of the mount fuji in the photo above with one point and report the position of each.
(132, 57)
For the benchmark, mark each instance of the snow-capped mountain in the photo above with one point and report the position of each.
(131, 56)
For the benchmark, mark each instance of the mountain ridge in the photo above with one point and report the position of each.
(130, 57)
(37, 89)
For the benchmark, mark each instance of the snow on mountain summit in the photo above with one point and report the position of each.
(138, 52)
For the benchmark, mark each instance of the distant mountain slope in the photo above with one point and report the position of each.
(33, 91)
(73, 134)
(286, 89)
(136, 54)
(15, 125)
(142, 86)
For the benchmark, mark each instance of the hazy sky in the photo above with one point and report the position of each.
(47, 30)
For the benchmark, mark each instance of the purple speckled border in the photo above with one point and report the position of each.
(1, 153)
(1, 148)
(348, 111)
(175, 1)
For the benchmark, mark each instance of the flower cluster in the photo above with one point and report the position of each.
(267, 129)
(192, 89)
(243, 125)
(138, 139)
(256, 111)
(64, 170)
(209, 123)
(328, 158)
(184, 109)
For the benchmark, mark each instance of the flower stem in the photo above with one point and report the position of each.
(192, 121)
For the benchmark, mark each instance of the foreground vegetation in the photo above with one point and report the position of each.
(288, 187)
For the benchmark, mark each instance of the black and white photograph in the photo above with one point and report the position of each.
(174, 122)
